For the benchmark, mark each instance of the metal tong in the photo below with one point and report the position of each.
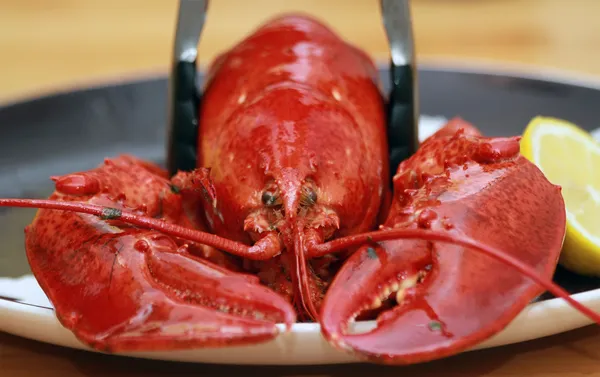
(185, 98)
(402, 106)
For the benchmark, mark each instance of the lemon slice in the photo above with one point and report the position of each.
(570, 157)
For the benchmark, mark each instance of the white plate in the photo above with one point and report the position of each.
(34, 318)
(302, 346)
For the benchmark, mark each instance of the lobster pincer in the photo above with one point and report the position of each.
(433, 299)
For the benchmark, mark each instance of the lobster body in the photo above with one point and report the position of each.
(292, 128)
(279, 220)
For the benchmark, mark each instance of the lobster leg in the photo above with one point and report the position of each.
(125, 288)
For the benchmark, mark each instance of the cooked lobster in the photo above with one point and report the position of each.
(280, 220)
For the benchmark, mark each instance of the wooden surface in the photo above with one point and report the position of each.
(48, 45)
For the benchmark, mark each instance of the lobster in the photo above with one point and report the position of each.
(289, 216)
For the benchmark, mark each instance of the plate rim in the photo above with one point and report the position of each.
(50, 331)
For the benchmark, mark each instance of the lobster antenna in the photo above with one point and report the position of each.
(302, 274)
(317, 250)
(260, 251)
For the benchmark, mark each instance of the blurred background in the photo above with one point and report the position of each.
(50, 45)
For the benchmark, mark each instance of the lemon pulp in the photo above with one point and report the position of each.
(570, 157)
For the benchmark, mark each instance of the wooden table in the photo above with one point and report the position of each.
(49, 45)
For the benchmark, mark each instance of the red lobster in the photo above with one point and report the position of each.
(280, 219)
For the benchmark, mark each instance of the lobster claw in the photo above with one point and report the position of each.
(441, 302)
(120, 287)
(137, 291)
(371, 279)
(488, 249)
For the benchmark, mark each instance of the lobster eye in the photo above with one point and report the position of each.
(269, 198)
(308, 197)
(312, 195)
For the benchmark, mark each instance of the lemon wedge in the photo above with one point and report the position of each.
(570, 157)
